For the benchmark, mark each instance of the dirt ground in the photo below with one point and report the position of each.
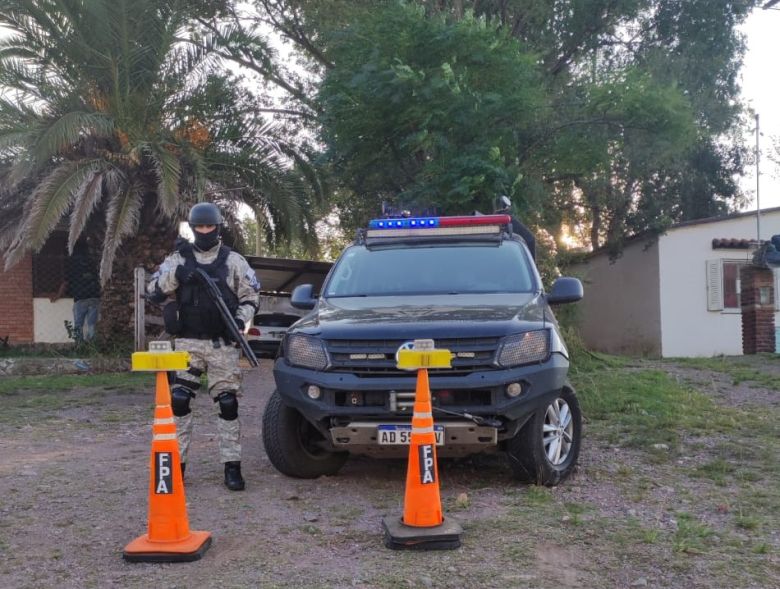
(73, 483)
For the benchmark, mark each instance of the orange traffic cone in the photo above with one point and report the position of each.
(422, 502)
(422, 527)
(169, 538)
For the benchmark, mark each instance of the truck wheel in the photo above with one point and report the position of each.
(545, 451)
(291, 443)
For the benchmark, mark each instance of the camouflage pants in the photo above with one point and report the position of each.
(221, 366)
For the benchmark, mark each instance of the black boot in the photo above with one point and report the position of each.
(233, 479)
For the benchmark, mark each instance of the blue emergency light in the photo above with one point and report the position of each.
(436, 222)
(416, 223)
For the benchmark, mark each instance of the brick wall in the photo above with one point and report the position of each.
(16, 302)
(758, 314)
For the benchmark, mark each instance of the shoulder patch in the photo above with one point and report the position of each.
(169, 264)
(252, 278)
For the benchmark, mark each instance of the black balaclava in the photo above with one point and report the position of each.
(206, 241)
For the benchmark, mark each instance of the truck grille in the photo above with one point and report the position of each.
(377, 357)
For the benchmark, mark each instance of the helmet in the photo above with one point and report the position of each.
(205, 213)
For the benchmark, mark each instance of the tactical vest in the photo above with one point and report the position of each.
(199, 317)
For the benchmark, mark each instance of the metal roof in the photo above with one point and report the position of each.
(282, 275)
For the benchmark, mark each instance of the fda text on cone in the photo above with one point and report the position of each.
(168, 537)
(422, 526)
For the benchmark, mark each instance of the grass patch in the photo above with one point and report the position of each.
(740, 370)
(104, 349)
(538, 496)
(719, 470)
(691, 536)
(58, 382)
(644, 407)
(747, 522)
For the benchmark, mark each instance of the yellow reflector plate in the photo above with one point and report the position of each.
(156, 361)
(415, 359)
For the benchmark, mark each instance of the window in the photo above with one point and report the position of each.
(447, 268)
(49, 265)
(723, 284)
(731, 298)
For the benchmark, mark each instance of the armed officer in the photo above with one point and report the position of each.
(200, 330)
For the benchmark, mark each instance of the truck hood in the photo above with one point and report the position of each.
(424, 316)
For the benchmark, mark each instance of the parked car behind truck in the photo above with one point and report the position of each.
(267, 331)
(470, 284)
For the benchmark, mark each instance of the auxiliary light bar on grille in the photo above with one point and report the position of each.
(420, 226)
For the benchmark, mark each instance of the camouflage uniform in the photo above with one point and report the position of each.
(216, 357)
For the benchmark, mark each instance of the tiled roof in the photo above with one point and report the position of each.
(732, 244)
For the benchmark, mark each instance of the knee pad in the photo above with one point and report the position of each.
(228, 405)
(180, 401)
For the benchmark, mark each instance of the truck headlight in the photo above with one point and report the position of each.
(524, 348)
(306, 351)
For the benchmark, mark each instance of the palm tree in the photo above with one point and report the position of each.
(114, 120)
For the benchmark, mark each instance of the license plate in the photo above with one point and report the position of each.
(400, 435)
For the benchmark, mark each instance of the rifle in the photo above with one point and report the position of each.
(230, 323)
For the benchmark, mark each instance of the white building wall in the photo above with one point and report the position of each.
(688, 329)
(49, 320)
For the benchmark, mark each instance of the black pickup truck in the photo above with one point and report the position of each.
(471, 285)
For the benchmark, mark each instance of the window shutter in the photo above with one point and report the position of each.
(714, 285)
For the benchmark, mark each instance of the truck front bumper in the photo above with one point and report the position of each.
(538, 382)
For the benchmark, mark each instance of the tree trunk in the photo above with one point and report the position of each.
(259, 233)
(595, 226)
(154, 240)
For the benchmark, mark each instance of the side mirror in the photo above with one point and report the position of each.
(302, 297)
(565, 290)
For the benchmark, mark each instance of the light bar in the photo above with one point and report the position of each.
(436, 222)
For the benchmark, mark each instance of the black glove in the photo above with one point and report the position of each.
(240, 324)
(185, 275)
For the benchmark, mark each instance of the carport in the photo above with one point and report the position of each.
(279, 276)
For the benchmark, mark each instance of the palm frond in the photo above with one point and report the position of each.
(168, 170)
(123, 214)
(84, 204)
(52, 198)
(21, 169)
(16, 47)
(13, 140)
(14, 206)
(68, 130)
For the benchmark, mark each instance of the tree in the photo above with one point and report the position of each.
(636, 122)
(418, 111)
(694, 47)
(431, 110)
(112, 117)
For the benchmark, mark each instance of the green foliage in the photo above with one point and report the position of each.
(620, 115)
(420, 111)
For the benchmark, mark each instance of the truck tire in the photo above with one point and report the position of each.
(545, 451)
(291, 443)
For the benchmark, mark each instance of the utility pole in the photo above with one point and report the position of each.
(758, 184)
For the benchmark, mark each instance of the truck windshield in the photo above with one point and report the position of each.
(450, 269)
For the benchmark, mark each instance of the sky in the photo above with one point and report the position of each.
(761, 91)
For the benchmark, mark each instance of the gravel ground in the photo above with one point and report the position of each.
(73, 485)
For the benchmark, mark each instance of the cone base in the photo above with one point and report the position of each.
(399, 536)
(144, 550)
